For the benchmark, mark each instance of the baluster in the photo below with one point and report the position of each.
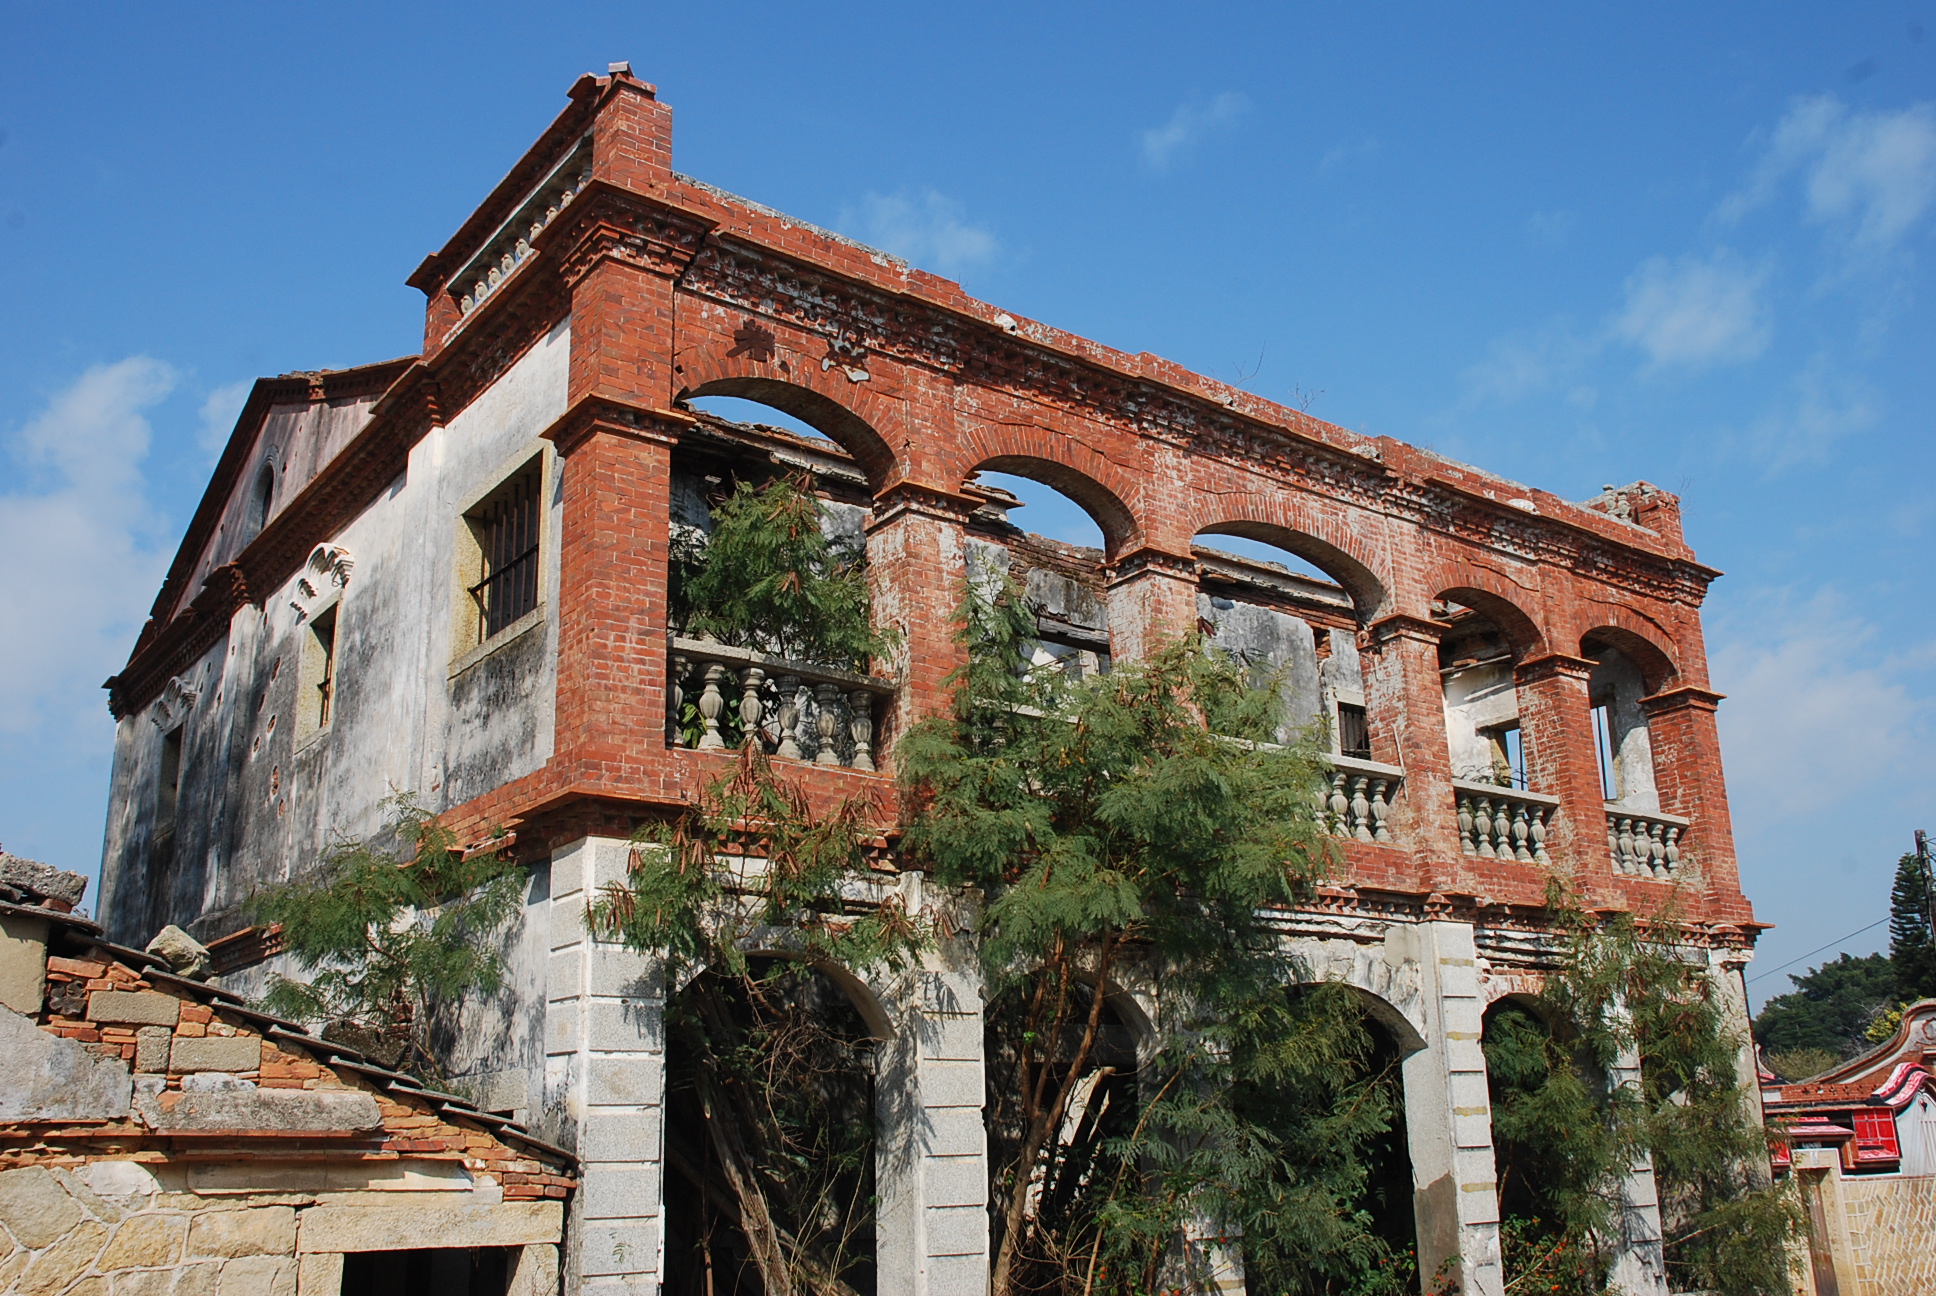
(1340, 805)
(1539, 835)
(1613, 846)
(1629, 862)
(1466, 843)
(789, 748)
(1672, 855)
(711, 703)
(1502, 829)
(860, 710)
(680, 666)
(750, 705)
(1360, 809)
(1657, 849)
(1482, 827)
(826, 696)
(1522, 833)
(1380, 808)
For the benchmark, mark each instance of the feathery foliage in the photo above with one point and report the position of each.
(1568, 1120)
(1132, 827)
(769, 578)
(1831, 1007)
(389, 935)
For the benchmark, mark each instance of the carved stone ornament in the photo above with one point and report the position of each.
(328, 565)
(178, 698)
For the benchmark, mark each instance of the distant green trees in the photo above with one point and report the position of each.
(1912, 952)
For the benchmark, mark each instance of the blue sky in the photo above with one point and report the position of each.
(1573, 245)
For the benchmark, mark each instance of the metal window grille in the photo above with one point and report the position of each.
(507, 532)
(1354, 732)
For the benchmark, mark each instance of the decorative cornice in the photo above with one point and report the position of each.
(908, 498)
(1399, 626)
(1144, 559)
(608, 222)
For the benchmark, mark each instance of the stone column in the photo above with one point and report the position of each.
(1405, 705)
(932, 1148)
(915, 560)
(1640, 1265)
(1151, 599)
(1687, 773)
(605, 1080)
(1448, 1113)
(1556, 726)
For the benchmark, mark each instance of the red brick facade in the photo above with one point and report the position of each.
(675, 291)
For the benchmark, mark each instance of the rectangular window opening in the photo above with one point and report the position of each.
(445, 1271)
(168, 782)
(1603, 744)
(506, 528)
(1508, 757)
(1354, 732)
(324, 628)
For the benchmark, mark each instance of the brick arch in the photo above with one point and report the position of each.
(1482, 593)
(1288, 523)
(843, 411)
(1634, 637)
(1097, 484)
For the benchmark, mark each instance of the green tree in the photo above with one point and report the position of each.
(391, 933)
(1911, 951)
(1139, 825)
(769, 578)
(1566, 1132)
(1831, 1007)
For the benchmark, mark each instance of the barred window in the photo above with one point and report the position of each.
(1354, 734)
(506, 527)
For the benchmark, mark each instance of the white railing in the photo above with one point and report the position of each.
(797, 710)
(1644, 843)
(1359, 802)
(1503, 823)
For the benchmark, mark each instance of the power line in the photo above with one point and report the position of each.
(1812, 953)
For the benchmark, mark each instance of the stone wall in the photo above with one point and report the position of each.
(1892, 1233)
(151, 1228)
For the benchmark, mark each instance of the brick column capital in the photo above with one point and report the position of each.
(1149, 559)
(1399, 626)
(1536, 670)
(606, 221)
(602, 415)
(905, 498)
(1684, 698)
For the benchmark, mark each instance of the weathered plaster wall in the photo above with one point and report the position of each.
(1617, 681)
(1477, 698)
(257, 798)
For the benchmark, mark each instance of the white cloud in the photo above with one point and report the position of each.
(83, 562)
(1869, 177)
(1813, 714)
(924, 227)
(1696, 312)
(1520, 364)
(218, 414)
(1189, 125)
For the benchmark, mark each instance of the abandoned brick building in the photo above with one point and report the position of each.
(448, 573)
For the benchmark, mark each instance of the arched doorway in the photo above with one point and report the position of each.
(769, 1133)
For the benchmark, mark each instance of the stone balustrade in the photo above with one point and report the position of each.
(1359, 802)
(1644, 843)
(1502, 822)
(796, 710)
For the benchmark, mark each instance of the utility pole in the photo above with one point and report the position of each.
(1929, 881)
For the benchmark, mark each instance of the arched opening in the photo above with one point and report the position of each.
(1295, 624)
(1052, 544)
(1067, 1184)
(1477, 653)
(262, 495)
(1620, 735)
(788, 408)
(769, 1133)
(1530, 1068)
(769, 599)
(1333, 1115)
